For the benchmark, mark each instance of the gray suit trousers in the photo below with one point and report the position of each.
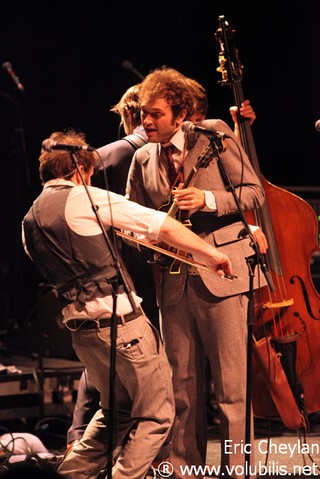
(198, 327)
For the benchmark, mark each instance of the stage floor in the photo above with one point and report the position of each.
(46, 388)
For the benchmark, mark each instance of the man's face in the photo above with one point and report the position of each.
(158, 121)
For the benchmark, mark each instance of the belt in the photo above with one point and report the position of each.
(101, 323)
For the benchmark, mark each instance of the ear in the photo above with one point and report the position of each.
(77, 176)
(181, 117)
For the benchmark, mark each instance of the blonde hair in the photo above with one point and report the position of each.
(128, 108)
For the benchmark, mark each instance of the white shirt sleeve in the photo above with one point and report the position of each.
(113, 209)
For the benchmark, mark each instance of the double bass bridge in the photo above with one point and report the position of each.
(279, 304)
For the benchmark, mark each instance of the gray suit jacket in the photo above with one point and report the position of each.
(220, 229)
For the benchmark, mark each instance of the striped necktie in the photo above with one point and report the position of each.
(172, 174)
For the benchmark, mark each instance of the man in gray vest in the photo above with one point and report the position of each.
(64, 238)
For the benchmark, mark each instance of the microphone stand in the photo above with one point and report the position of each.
(127, 65)
(19, 151)
(113, 331)
(252, 262)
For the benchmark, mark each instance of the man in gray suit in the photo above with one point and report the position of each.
(202, 316)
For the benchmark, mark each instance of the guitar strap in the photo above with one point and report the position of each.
(135, 140)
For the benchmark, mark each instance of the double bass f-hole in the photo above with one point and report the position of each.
(287, 318)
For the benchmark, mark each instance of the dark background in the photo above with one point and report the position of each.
(68, 55)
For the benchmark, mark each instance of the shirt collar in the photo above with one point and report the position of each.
(58, 182)
(177, 140)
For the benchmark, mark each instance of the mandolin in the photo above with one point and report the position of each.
(173, 211)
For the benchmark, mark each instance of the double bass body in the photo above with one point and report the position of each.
(286, 330)
(291, 314)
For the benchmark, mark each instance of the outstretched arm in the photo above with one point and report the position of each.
(173, 233)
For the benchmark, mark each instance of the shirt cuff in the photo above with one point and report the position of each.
(155, 224)
(210, 200)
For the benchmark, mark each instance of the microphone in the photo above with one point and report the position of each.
(189, 127)
(49, 145)
(317, 125)
(127, 65)
(7, 67)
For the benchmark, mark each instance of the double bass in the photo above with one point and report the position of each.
(286, 330)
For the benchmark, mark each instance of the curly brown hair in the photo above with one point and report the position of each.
(59, 163)
(171, 85)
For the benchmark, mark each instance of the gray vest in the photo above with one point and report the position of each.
(79, 267)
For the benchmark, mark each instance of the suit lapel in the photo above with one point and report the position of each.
(156, 184)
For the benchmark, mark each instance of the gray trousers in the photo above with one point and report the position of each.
(143, 396)
(198, 328)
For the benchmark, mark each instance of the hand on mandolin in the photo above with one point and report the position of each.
(190, 198)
